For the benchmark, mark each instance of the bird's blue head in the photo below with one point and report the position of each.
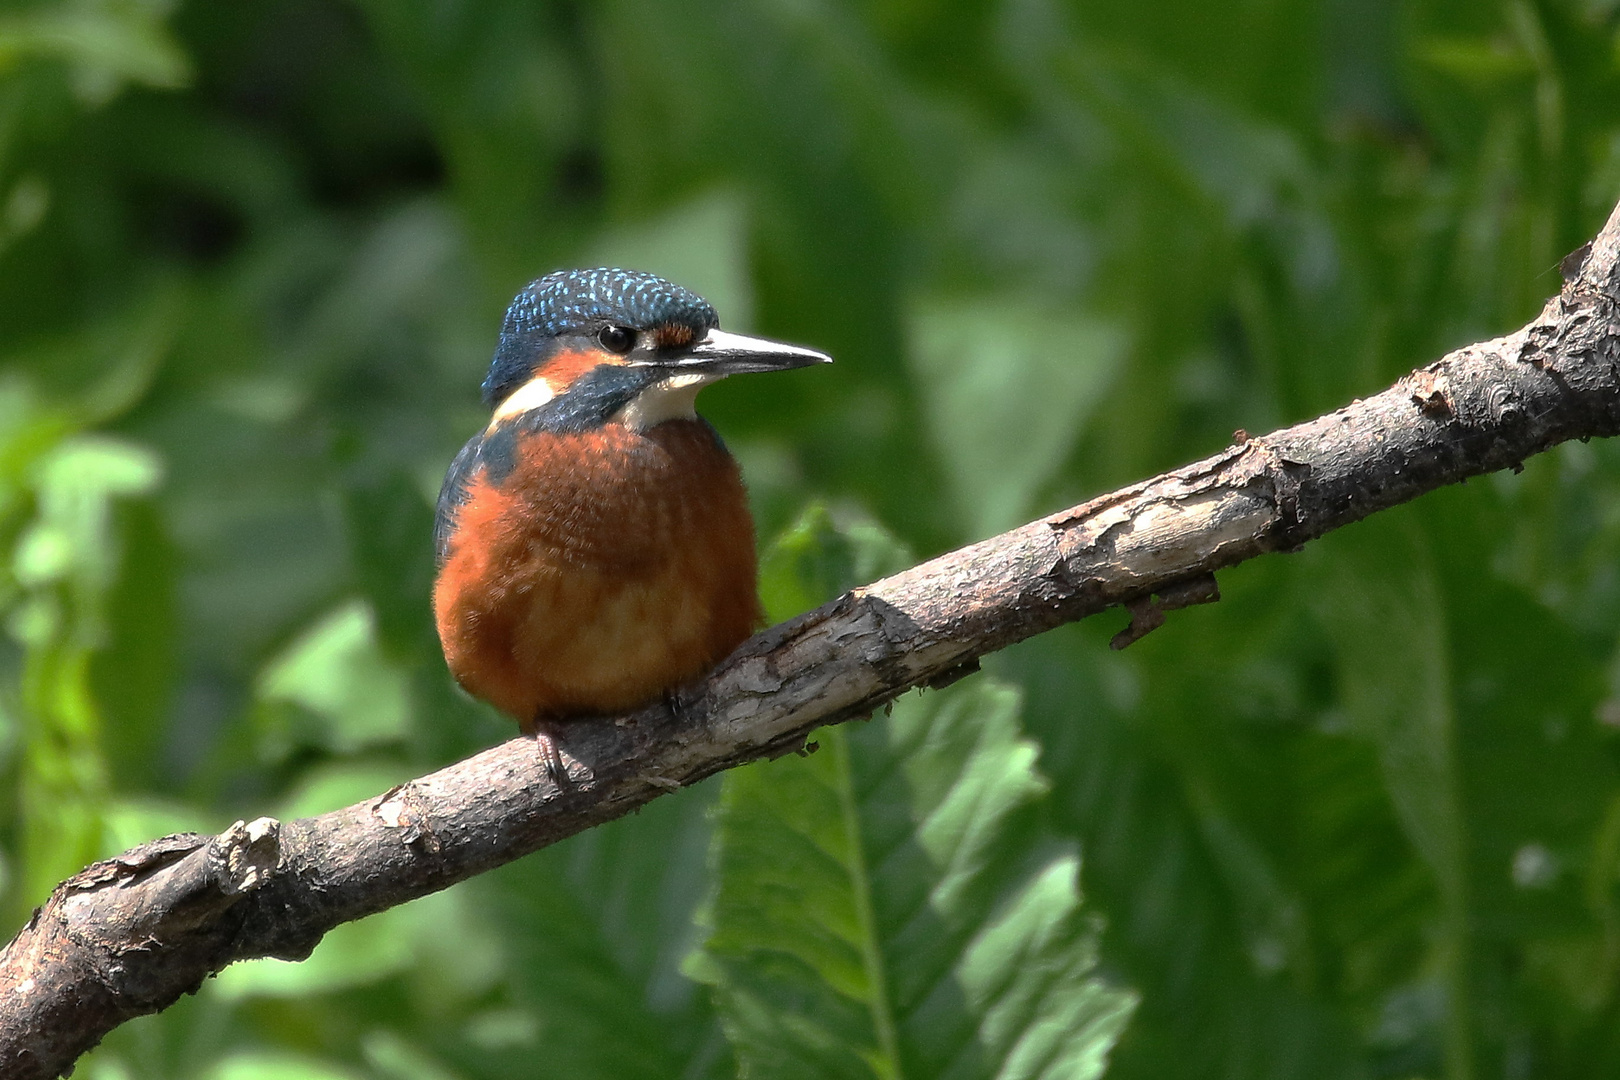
(581, 348)
(576, 310)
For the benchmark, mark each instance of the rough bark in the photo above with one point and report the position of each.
(130, 935)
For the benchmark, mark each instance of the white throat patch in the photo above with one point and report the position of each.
(674, 398)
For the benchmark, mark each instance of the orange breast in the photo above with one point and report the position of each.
(607, 568)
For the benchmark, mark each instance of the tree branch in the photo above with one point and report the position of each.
(130, 935)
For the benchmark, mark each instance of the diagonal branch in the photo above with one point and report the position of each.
(128, 936)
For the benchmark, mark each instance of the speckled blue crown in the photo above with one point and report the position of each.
(575, 301)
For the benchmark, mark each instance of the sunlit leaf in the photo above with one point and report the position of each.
(1008, 386)
(250, 1066)
(337, 672)
(884, 908)
(107, 44)
(397, 1059)
(703, 245)
(128, 822)
(818, 557)
(890, 906)
(1476, 60)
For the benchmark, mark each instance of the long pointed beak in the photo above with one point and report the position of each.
(722, 353)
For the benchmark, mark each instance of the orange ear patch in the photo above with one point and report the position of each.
(561, 370)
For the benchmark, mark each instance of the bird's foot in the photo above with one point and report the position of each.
(545, 738)
(676, 703)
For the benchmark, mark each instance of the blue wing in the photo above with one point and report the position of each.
(454, 493)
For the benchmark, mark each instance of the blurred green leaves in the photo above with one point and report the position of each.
(1357, 820)
(1384, 609)
(106, 43)
(820, 556)
(274, 1067)
(69, 541)
(61, 490)
(991, 366)
(335, 674)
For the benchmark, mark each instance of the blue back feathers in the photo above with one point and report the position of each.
(579, 302)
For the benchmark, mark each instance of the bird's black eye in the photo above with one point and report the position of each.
(616, 339)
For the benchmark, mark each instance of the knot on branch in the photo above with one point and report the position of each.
(157, 893)
(1429, 393)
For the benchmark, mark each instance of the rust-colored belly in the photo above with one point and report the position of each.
(607, 568)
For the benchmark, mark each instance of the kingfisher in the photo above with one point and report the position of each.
(595, 551)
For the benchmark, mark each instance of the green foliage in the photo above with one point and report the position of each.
(884, 909)
(890, 905)
(986, 367)
(60, 489)
(1360, 819)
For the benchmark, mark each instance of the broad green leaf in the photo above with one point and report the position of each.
(1178, 764)
(271, 1066)
(1385, 610)
(1007, 387)
(1386, 615)
(890, 906)
(701, 244)
(337, 672)
(817, 557)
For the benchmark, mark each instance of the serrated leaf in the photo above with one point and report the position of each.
(1173, 763)
(890, 906)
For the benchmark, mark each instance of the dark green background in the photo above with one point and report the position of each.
(1360, 819)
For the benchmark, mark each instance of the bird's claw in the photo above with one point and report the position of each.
(545, 737)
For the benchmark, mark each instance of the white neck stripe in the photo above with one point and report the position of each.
(531, 395)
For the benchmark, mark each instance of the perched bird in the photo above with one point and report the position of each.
(594, 545)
